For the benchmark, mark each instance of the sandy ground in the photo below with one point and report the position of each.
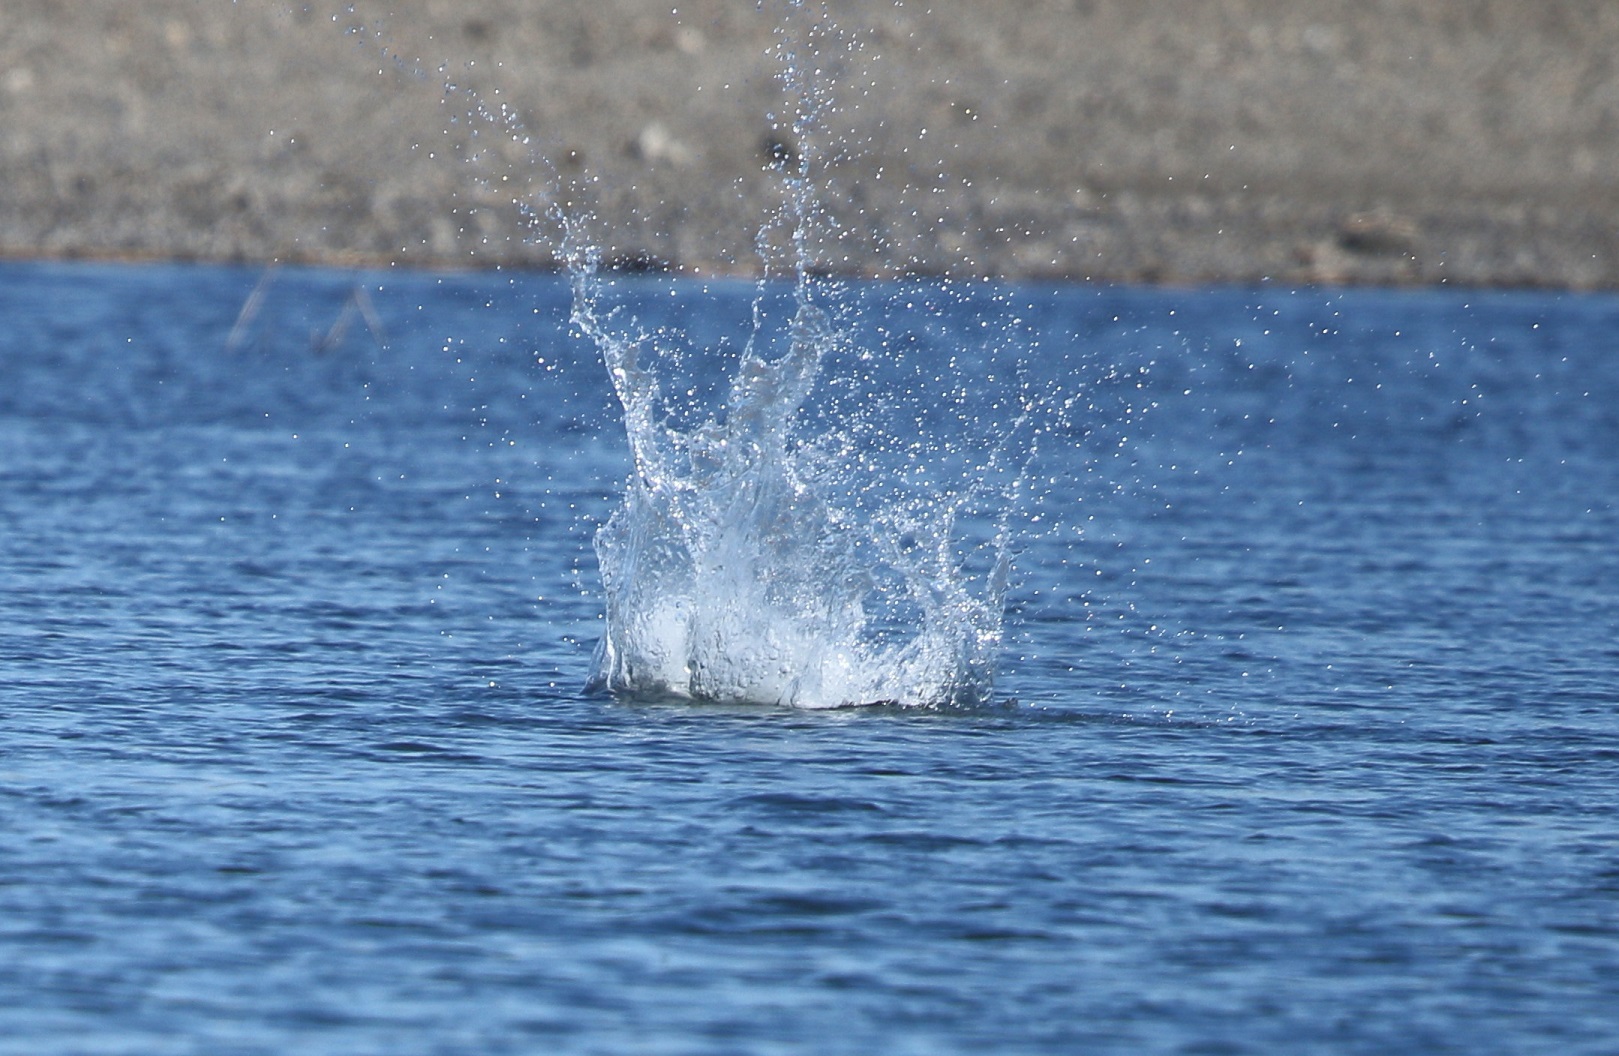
(1401, 141)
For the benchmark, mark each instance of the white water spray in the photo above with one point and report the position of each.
(756, 559)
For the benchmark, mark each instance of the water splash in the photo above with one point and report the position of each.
(765, 554)
(746, 562)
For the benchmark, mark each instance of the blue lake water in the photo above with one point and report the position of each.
(1306, 738)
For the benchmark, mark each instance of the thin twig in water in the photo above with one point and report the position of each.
(358, 303)
(250, 309)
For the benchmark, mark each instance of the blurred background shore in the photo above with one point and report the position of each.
(1468, 142)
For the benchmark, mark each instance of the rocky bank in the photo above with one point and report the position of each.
(1394, 141)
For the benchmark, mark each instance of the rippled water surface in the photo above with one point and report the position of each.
(1307, 739)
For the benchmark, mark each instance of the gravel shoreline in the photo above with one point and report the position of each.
(1471, 142)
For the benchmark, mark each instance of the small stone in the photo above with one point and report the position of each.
(1378, 234)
